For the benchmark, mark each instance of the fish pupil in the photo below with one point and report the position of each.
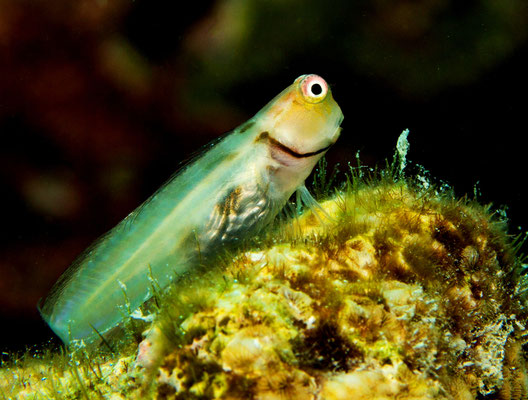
(316, 89)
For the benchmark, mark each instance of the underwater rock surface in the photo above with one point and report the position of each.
(392, 292)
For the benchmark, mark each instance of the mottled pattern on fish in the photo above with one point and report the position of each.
(230, 192)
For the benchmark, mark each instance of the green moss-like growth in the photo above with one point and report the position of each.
(393, 291)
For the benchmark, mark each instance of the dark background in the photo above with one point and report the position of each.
(100, 100)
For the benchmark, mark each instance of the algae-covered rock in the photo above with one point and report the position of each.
(388, 291)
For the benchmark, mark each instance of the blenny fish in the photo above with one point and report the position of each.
(233, 189)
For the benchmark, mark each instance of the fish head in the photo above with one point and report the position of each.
(296, 128)
(304, 118)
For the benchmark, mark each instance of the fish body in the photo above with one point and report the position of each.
(231, 191)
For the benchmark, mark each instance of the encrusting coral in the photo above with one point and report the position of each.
(390, 290)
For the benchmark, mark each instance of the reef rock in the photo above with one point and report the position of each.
(390, 290)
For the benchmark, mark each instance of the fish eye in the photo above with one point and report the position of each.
(314, 88)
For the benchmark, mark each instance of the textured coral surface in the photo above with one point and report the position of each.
(390, 292)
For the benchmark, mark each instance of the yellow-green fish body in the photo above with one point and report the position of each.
(231, 191)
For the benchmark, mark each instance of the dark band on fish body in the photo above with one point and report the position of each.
(245, 126)
(266, 136)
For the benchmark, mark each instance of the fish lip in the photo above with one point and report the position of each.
(294, 153)
(286, 155)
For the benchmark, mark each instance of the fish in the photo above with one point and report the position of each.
(233, 189)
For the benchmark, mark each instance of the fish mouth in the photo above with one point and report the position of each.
(284, 154)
